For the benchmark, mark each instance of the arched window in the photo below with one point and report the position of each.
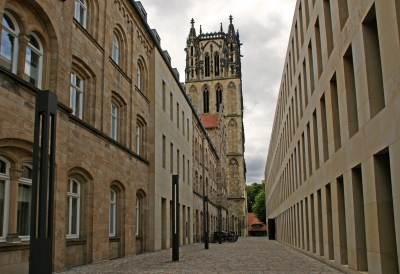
(9, 43)
(219, 97)
(113, 206)
(216, 64)
(207, 65)
(206, 100)
(191, 51)
(114, 121)
(81, 12)
(24, 203)
(115, 48)
(138, 220)
(73, 208)
(4, 197)
(138, 74)
(76, 96)
(140, 136)
(34, 61)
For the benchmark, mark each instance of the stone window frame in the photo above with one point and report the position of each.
(89, 88)
(85, 209)
(141, 136)
(15, 33)
(25, 181)
(120, 38)
(142, 76)
(39, 51)
(6, 207)
(113, 210)
(77, 15)
(114, 121)
(115, 56)
(140, 221)
(74, 90)
(73, 195)
(121, 126)
(44, 33)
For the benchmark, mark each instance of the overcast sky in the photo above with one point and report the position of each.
(264, 27)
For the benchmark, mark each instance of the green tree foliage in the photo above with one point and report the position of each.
(252, 192)
(259, 206)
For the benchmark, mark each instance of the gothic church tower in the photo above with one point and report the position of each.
(213, 77)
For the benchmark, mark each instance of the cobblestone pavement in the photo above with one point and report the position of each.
(247, 255)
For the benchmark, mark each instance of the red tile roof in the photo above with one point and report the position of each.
(210, 120)
(254, 223)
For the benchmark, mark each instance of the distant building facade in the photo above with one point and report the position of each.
(332, 173)
(213, 78)
(255, 226)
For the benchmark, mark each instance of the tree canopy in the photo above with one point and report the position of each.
(252, 192)
(259, 206)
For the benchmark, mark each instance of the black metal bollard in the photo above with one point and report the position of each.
(44, 149)
(175, 218)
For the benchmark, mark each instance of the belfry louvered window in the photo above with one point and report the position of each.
(205, 100)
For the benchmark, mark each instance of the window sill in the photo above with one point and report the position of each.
(142, 94)
(77, 241)
(13, 247)
(120, 70)
(114, 238)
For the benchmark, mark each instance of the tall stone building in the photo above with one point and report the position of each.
(213, 78)
(332, 174)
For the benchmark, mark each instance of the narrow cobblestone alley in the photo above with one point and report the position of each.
(247, 255)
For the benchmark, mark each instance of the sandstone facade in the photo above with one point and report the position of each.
(332, 174)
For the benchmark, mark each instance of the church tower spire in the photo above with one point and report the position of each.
(192, 32)
(214, 84)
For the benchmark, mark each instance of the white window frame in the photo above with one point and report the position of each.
(115, 48)
(113, 206)
(75, 89)
(138, 216)
(15, 33)
(6, 177)
(78, 5)
(70, 196)
(38, 51)
(25, 181)
(114, 118)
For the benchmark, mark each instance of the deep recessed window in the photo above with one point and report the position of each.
(137, 216)
(24, 203)
(73, 207)
(81, 12)
(216, 64)
(4, 202)
(205, 100)
(219, 98)
(138, 74)
(114, 121)
(76, 97)
(113, 205)
(9, 43)
(33, 61)
(138, 139)
(115, 48)
(207, 65)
